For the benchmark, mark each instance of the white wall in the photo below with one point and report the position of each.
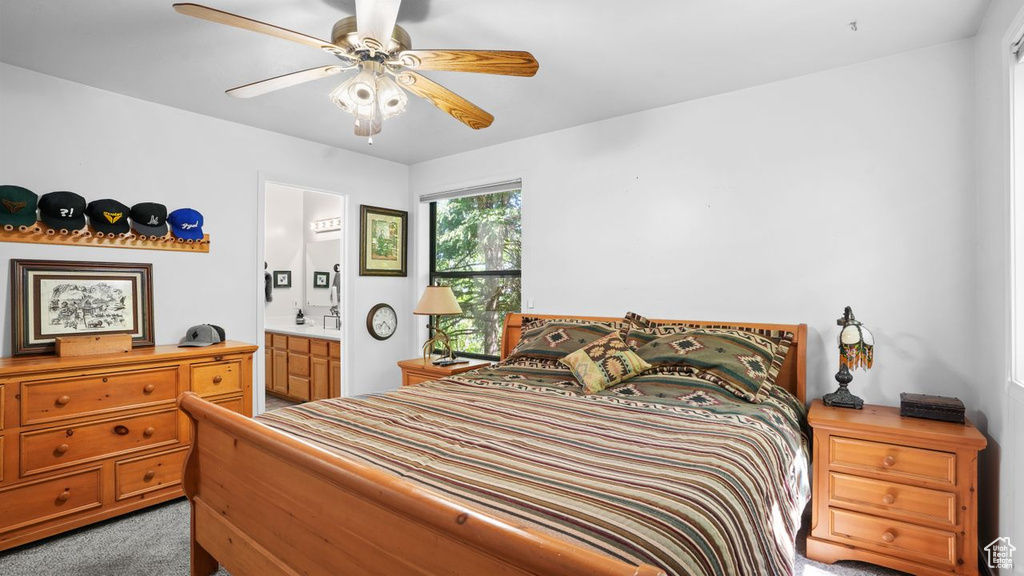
(782, 203)
(61, 135)
(284, 248)
(1002, 463)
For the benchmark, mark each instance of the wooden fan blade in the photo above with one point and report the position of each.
(461, 109)
(507, 62)
(229, 19)
(375, 22)
(283, 81)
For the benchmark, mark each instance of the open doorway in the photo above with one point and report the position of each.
(304, 294)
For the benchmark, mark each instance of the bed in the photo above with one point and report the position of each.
(506, 470)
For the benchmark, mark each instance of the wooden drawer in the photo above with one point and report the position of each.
(217, 378)
(55, 448)
(318, 348)
(892, 499)
(279, 341)
(234, 404)
(918, 543)
(298, 365)
(298, 388)
(334, 349)
(298, 344)
(50, 400)
(48, 499)
(892, 460)
(148, 473)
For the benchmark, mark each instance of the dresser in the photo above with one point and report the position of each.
(87, 438)
(894, 491)
(416, 370)
(302, 368)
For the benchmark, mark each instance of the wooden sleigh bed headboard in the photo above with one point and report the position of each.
(792, 377)
(267, 504)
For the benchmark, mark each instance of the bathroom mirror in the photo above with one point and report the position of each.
(321, 259)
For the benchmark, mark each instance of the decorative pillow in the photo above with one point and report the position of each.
(641, 330)
(604, 362)
(743, 362)
(555, 339)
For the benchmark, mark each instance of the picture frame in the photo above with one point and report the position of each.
(321, 280)
(57, 298)
(282, 278)
(383, 241)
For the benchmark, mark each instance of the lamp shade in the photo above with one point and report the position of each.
(856, 346)
(438, 300)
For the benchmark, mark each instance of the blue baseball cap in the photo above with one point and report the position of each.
(186, 224)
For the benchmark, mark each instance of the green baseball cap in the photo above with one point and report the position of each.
(17, 206)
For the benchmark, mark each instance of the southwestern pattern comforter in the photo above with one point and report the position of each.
(664, 469)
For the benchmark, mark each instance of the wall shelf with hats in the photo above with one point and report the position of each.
(43, 234)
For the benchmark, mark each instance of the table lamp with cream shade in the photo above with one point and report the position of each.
(438, 301)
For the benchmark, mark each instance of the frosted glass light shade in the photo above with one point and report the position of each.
(438, 301)
(390, 97)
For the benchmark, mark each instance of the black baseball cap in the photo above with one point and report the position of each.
(149, 219)
(108, 216)
(17, 206)
(62, 210)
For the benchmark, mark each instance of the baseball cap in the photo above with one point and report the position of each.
(108, 216)
(62, 210)
(149, 219)
(17, 206)
(202, 335)
(186, 224)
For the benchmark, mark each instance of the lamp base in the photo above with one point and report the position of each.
(842, 398)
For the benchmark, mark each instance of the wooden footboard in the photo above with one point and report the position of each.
(266, 504)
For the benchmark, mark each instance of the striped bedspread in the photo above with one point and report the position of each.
(664, 469)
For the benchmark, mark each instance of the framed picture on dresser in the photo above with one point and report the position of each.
(54, 298)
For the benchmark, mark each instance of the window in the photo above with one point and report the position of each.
(475, 247)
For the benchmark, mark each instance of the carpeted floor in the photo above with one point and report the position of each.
(154, 542)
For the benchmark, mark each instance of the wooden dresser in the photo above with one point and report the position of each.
(894, 491)
(302, 368)
(88, 438)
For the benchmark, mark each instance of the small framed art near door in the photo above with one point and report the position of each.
(53, 298)
(383, 241)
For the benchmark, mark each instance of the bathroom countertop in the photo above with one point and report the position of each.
(315, 330)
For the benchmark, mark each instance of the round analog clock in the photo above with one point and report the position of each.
(382, 321)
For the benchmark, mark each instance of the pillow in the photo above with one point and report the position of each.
(641, 330)
(743, 362)
(557, 338)
(604, 362)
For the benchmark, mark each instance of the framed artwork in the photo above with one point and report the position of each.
(51, 298)
(383, 241)
(282, 278)
(321, 279)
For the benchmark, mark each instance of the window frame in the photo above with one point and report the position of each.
(435, 275)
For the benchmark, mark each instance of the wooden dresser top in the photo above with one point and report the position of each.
(50, 362)
(886, 420)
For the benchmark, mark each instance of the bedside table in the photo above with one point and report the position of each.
(415, 371)
(894, 491)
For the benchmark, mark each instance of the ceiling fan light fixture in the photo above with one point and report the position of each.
(391, 99)
(363, 89)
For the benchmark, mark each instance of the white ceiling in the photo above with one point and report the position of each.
(598, 58)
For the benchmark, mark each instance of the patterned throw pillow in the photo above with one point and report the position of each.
(603, 363)
(555, 339)
(744, 362)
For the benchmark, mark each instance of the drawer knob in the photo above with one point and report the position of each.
(217, 379)
(63, 400)
(148, 388)
(148, 432)
(888, 536)
(64, 496)
(121, 430)
(148, 475)
(60, 450)
(888, 461)
(889, 498)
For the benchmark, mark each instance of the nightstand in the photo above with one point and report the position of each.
(415, 370)
(894, 491)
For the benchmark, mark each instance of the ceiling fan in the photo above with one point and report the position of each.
(381, 51)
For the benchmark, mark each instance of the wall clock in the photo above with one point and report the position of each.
(382, 321)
